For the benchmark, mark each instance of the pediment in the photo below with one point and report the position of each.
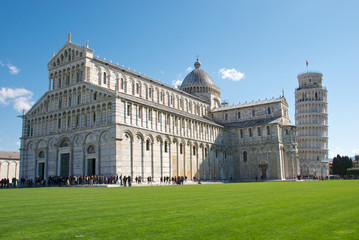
(68, 53)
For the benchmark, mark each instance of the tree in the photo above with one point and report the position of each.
(341, 164)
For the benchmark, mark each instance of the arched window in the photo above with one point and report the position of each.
(64, 143)
(149, 92)
(79, 99)
(41, 154)
(269, 110)
(140, 112)
(95, 96)
(253, 113)
(147, 145)
(244, 156)
(181, 148)
(165, 146)
(104, 78)
(91, 149)
(238, 114)
(137, 88)
(194, 150)
(122, 83)
(205, 152)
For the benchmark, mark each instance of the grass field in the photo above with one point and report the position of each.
(269, 210)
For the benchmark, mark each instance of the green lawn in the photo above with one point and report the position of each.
(269, 210)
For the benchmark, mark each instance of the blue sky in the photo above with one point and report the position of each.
(267, 41)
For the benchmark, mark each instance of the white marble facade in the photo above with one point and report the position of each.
(101, 118)
(311, 118)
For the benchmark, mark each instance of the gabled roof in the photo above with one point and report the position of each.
(252, 104)
(72, 45)
(260, 122)
(9, 155)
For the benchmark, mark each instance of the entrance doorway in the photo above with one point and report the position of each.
(41, 170)
(64, 164)
(91, 167)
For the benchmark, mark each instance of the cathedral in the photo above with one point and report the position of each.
(98, 118)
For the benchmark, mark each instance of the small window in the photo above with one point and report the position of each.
(269, 111)
(159, 117)
(122, 83)
(238, 114)
(59, 123)
(268, 130)
(104, 78)
(241, 132)
(139, 112)
(95, 96)
(165, 146)
(286, 132)
(128, 110)
(149, 115)
(181, 148)
(79, 99)
(64, 143)
(259, 131)
(41, 154)
(91, 149)
(244, 156)
(205, 152)
(250, 132)
(194, 150)
(147, 145)
(253, 113)
(137, 88)
(150, 92)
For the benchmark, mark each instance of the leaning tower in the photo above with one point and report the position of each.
(311, 118)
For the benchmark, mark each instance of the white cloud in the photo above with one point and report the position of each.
(13, 70)
(231, 74)
(21, 98)
(177, 83)
(189, 69)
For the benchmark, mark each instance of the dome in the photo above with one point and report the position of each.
(197, 77)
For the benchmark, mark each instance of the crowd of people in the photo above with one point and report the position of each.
(87, 180)
(5, 183)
